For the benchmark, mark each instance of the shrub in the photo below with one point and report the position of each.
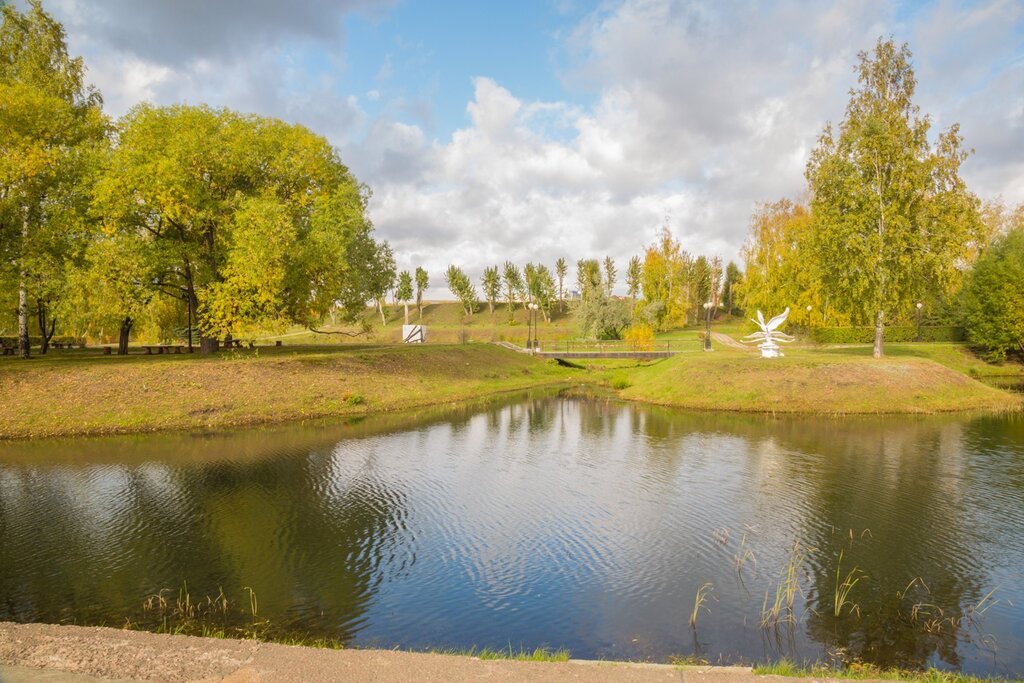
(994, 298)
(640, 337)
(902, 333)
(621, 382)
(12, 341)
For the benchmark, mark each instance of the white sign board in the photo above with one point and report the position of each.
(414, 334)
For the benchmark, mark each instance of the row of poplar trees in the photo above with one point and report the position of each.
(240, 222)
(665, 288)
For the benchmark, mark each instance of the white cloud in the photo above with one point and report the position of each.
(698, 111)
(702, 111)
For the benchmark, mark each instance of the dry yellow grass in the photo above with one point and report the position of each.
(85, 393)
(812, 382)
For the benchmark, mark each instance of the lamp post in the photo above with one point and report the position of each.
(919, 306)
(531, 322)
(529, 327)
(809, 308)
(707, 325)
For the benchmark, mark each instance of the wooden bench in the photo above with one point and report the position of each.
(163, 348)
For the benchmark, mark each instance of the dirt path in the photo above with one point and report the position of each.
(726, 340)
(44, 653)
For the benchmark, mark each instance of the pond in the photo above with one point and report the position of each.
(548, 520)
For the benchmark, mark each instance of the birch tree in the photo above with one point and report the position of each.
(892, 215)
(51, 130)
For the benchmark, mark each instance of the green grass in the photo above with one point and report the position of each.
(75, 393)
(540, 654)
(78, 392)
(912, 378)
(868, 672)
(446, 322)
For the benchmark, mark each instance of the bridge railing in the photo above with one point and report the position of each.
(618, 345)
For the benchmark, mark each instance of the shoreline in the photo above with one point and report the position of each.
(40, 653)
(297, 386)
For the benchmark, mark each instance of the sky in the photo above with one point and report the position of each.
(529, 130)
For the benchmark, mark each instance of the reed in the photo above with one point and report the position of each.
(699, 602)
(781, 609)
(743, 555)
(841, 596)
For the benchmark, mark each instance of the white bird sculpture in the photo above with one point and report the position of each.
(769, 335)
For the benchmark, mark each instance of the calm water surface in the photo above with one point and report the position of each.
(554, 521)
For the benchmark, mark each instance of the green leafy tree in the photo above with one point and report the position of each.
(598, 315)
(701, 277)
(666, 283)
(52, 130)
(261, 223)
(381, 280)
(540, 285)
(460, 285)
(781, 264)
(994, 296)
(491, 284)
(609, 274)
(422, 282)
(113, 286)
(733, 277)
(561, 270)
(404, 291)
(633, 272)
(513, 287)
(892, 216)
(588, 272)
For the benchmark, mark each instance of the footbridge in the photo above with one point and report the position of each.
(571, 350)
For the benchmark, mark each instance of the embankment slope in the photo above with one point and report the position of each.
(806, 383)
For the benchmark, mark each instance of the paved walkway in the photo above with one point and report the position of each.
(44, 653)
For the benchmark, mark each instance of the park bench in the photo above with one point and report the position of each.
(163, 348)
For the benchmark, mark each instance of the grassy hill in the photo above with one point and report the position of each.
(826, 381)
(71, 393)
(446, 323)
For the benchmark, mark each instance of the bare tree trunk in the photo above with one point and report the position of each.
(380, 307)
(192, 302)
(406, 304)
(123, 336)
(45, 335)
(879, 336)
(23, 343)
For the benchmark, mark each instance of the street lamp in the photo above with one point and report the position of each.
(919, 306)
(531, 322)
(707, 325)
(809, 307)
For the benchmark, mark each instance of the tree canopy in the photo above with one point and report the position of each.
(257, 222)
(52, 134)
(892, 217)
(994, 296)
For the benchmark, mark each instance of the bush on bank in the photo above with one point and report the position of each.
(906, 333)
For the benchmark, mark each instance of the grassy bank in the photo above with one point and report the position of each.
(68, 393)
(74, 393)
(868, 672)
(828, 381)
